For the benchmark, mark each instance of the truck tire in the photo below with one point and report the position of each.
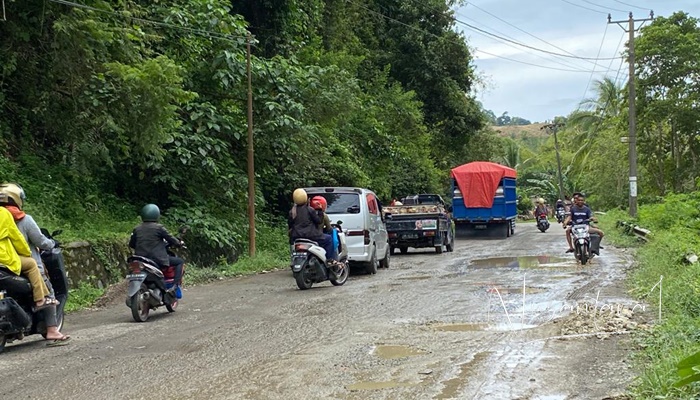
(450, 245)
(403, 249)
(392, 250)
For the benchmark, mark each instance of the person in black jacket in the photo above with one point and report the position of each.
(149, 240)
(303, 222)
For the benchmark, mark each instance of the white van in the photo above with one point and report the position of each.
(363, 224)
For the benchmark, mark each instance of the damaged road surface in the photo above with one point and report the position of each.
(496, 319)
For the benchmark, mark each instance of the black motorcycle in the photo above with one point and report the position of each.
(542, 222)
(149, 284)
(17, 316)
(561, 214)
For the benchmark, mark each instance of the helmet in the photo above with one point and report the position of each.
(150, 213)
(540, 200)
(319, 203)
(13, 193)
(300, 197)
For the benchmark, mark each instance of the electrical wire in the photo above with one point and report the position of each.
(584, 7)
(606, 7)
(522, 30)
(590, 79)
(476, 49)
(565, 62)
(534, 48)
(217, 35)
(632, 5)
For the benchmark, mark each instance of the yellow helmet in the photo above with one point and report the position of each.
(15, 192)
(540, 200)
(300, 197)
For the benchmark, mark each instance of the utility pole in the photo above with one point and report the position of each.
(251, 163)
(632, 107)
(553, 128)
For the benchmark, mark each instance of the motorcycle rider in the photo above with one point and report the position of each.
(149, 240)
(303, 222)
(560, 209)
(541, 208)
(16, 257)
(320, 204)
(12, 197)
(579, 213)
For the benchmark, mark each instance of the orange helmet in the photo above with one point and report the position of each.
(319, 203)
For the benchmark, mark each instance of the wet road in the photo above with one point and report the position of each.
(455, 325)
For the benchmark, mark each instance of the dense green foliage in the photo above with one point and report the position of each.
(674, 222)
(128, 102)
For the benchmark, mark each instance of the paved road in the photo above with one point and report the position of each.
(455, 325)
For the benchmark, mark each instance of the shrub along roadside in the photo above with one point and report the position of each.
(272, 252)
(674, 227)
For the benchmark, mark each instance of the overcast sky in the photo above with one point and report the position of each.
(537, 93)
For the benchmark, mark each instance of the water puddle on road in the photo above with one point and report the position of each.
(389, 352)
(517, 290)
(520, 262)
(453, 386)
(414, 278)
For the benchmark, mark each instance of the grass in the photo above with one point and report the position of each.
(263, 261)
(677, 335)
(82, 297)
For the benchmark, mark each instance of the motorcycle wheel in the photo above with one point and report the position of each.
(343, 277)
(3, 340)
(139, 306)
(583, 255)
(302, 278)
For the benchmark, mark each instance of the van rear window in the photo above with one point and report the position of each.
(342, 203)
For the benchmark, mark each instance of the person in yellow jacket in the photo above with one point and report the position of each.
(16, 256)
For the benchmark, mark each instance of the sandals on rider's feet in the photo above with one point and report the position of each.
(64, 340)
(570, 251)
(48, 302)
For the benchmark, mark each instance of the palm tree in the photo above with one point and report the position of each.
(594, 112)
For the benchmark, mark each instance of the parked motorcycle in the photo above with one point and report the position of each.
(542, 222)
(149, 284)
(17, 318)
(561, 214)
(309, 264)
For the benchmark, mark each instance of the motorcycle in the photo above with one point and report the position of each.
(149, 284)
(17, 316)
(586, 244)
(309, 264)
(542, 222)
(561, 214)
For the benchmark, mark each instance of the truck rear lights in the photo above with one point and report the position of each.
(428, 233)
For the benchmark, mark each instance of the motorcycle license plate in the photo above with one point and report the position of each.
(136, 276)
(298, 259)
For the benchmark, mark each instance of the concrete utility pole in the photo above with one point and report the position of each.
(633, 110)
(553, 128)
(251, 163)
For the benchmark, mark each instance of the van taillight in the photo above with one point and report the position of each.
(364, 233)
(135, 267)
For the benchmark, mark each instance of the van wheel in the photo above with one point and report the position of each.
(385, 262)
(373, 264)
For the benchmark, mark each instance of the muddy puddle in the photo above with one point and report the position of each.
(377, 385)
(389, 352)
(474, 327)
(414, 278)
(452, 387)
(523, 262)
(516, 290)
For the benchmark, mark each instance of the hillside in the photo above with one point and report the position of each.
(517, 131)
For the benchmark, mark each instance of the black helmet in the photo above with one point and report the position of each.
(150, 213)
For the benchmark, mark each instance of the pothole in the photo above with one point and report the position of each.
(520, 262)
(414, 278)
(517, 290)
(389, 352)
(461, 327)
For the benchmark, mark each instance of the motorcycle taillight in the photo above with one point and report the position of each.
(135, 267)
(301, 247)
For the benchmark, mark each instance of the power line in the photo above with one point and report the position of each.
(522, 30)
(631, 5)
(606, 7)
(566, 63)
(584, 7)
(590, 79)
(477, 50)
(534, 48)
(218, 35)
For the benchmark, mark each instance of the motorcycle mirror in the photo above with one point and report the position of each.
(57, 232)
(339, 222)
(182, 230)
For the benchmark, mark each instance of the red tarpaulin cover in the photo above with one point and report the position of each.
(478, 182)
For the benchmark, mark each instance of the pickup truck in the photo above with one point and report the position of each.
(420, 221)
(484, 199)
